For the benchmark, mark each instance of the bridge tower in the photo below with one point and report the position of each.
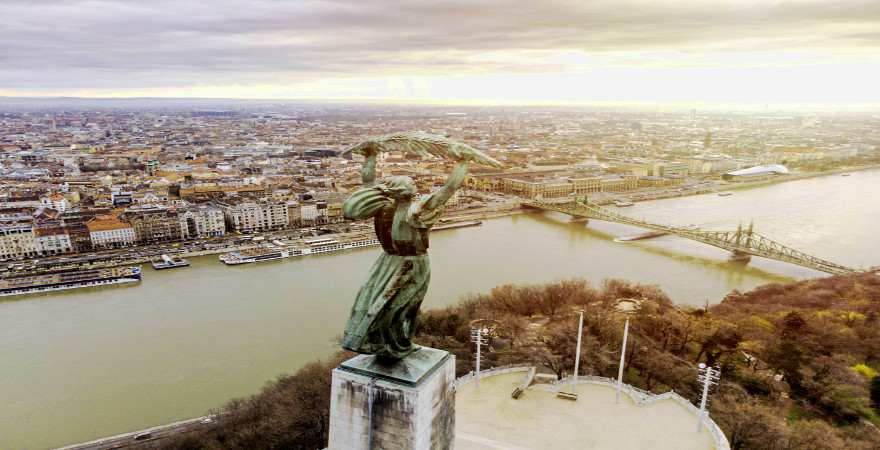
(743, 239)
(579, 218)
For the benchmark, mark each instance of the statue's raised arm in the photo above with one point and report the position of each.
(365, 203)
(427, 211)
(384, 314)
(422, 144)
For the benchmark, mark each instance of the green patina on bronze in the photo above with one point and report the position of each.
(384, 314)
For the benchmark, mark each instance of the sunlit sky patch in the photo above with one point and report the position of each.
(469, 51)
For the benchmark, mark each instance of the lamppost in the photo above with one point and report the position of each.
(481, 330)
(478, 337)
(626, 307)
(708, 376)
(577, 361)
(622, 361)
(577, 352)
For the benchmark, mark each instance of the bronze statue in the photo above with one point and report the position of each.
(384, 314)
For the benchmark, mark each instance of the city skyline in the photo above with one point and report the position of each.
(722, 52)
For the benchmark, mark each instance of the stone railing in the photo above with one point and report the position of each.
(642, 397)
(637, 395)
(500, 370)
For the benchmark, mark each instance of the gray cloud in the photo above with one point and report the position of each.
(109, 44)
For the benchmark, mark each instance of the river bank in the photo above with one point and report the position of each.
(219, 246)
(800, 176)
(460, 220)
(225, 245)
(730, 186)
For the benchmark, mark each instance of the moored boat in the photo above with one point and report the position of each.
(252, 255)
(643, 236)
(333, 244)
(328, 245)
(447, 226)
(169, 262)
(69, 280)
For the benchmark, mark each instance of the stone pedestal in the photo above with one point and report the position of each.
(408, 404)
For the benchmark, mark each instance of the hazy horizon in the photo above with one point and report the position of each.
(488, 51)
(52, 102)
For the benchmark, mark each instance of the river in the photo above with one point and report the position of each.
(83, 364)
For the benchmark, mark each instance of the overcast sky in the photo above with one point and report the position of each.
(515, 51)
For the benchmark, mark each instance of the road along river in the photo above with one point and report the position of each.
(82, 364)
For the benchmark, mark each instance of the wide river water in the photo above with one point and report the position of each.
(83, 364)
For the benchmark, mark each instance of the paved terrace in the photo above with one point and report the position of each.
(488, 418)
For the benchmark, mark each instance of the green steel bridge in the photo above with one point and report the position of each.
(742, 243)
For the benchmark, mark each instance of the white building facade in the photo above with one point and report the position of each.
(110, 233)
(53, 241)
(57, 202)
(201, 222)
(309, 212)
(249, 216)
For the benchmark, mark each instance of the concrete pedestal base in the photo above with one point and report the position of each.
(409, 404)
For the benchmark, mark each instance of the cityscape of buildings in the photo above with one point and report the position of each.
(659, 232)
(79, 180)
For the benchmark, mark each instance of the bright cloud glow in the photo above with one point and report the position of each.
(474, 51)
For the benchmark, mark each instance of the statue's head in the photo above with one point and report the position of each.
(367, 201)
(400, 188)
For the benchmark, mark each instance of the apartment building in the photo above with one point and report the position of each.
(586, 185)
(56, 201)
(250, 216)
(17, 241)
(201, 221)
(52, 240)
(154, 224)
(110, 232)
(624, 183)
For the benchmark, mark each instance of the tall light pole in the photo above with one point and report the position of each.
(479, 339)
(622, 361)
(577, 363)
(577, 352)
(708, 376)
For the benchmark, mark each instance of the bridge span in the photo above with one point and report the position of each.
(742, 242)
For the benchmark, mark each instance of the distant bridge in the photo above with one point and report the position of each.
(742, 243)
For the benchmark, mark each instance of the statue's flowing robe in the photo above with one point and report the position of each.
(384, 314)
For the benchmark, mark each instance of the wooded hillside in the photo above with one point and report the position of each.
(799, 361)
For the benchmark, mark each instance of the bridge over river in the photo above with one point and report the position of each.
(743, 243)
